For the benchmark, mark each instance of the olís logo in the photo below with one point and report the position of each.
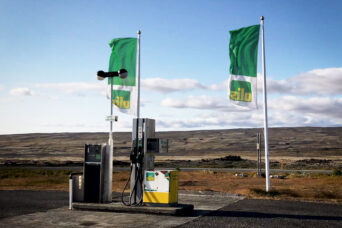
(122, 99)
(240, 91)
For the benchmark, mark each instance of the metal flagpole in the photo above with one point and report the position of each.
(267, 165)
(138, 75)
(135, 195)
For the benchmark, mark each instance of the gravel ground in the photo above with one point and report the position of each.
(272, 213)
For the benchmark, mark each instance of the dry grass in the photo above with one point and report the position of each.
(315, 187)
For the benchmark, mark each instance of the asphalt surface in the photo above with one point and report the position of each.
(242, 213)
(13, 203)
(272, 213)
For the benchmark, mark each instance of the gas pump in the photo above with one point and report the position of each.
(144, 148)
(140, 160)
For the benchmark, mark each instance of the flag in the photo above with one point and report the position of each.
(243, 52)
(125, 91)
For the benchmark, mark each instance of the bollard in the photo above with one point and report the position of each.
(70, 192)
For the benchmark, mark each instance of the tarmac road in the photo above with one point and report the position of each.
(26, 207)
(272, 213)
(13, 203)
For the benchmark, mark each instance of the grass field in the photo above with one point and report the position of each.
(298, 186)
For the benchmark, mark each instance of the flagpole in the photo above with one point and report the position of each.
(267, 165)
(138, 75)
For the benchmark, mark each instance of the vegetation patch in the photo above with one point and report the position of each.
(273, 193)
(337, 172)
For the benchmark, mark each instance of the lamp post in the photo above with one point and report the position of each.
(101, 75)
(108, 167)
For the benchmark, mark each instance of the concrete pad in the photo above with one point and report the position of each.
(180, 209)
(204, 202)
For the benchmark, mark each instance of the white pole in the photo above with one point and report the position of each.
(138, 74)
(70, 192)
(107, 185)
(110, 140)
(267, 165)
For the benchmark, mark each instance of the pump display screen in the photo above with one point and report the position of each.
(92, 153)
(153, 145)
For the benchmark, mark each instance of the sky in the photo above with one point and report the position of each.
(50, 52)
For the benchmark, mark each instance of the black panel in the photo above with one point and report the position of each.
(153, 145)
(92, 173)
(92, 183)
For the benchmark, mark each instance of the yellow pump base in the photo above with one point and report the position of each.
(161, 187)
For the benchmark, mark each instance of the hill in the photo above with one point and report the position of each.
(285, 143)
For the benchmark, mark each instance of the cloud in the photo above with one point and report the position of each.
(217, 87)
(216, 120)
(1, 87)
(275, 86)
(251, 119)
(320, 81)
(316, 106)
(153, 84)
(326, 81)
(283, 111)
(201, 102)
(170, 85)
(21, 92)
(75, 88)
(86, 126)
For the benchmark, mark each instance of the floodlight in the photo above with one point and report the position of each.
(122, 73)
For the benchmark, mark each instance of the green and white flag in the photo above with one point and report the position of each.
(243, 52)
(125, 91)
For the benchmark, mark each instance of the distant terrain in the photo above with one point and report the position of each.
(307, 146)
(38, 161)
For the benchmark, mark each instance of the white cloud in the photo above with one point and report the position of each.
(86, 126)
(221, 86)
(76, 88)
(251, 119)
(320, 81)
(21, 92)
(153, 84)
(170, 85)
(316, 106)
(202, 102)
(216, 120)
(326, 81)
(1, 87)
(322, 106)
(283, 112)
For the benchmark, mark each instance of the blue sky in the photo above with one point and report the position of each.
(50, 52)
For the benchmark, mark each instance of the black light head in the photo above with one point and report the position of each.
(123, 73)
(101, 75)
